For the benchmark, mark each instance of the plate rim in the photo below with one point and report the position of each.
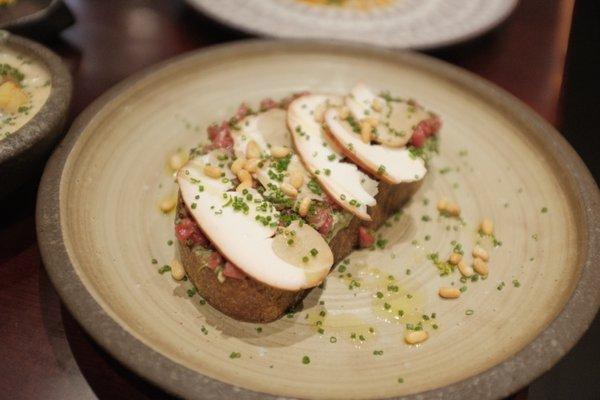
(502, 379)
(200, 6)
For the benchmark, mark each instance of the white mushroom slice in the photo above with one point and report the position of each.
(242, 226)
(264, 128)
(216, 158)
(272, 126)
(370, 185)
(301, 245)
(396, 118)
(393, 165)
(269, 129)
(342, 181)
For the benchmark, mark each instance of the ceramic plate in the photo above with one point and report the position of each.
(100, 230)
(417, 24)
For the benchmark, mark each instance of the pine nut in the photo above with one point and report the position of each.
(415, 337)
(454, 258)
(252, 165)
(220, 276)
(177, 161)
(377, 104)
(442, 204)
(465, 270)
(344, 113)
(372, 121)
(244, 175)
(212, 171)
(365, 131)
(238, 164)
(296, 179)
(252, 150)
(168, 204)
(449, 293)
(177, 271)
(487, 227)
(288, 189)
(244, 185)
(453, 209)
(479, 252)
(480, 267)
(304, 207)
(280, 151)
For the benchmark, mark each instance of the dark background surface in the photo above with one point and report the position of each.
(45, 354)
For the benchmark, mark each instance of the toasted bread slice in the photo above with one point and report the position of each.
(252, 301)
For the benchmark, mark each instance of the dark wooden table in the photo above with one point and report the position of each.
(44, 353)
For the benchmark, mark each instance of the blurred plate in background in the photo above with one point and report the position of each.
(417, 24)
(35, 18)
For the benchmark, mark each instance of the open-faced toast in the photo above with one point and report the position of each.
(234, 273)
(250, 300)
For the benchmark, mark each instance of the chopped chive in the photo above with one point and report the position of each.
(164, 268)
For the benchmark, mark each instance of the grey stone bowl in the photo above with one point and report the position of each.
(23, 153)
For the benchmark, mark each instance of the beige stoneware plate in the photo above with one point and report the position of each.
(99, 229)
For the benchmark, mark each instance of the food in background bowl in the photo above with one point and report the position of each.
(35, 93)
(24, 88)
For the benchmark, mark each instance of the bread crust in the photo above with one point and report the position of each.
(252, 301)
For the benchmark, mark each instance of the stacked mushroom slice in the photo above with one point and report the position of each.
(263, 144)
(344, 182)
(373, 132)
(336, 136)
(252, 200)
